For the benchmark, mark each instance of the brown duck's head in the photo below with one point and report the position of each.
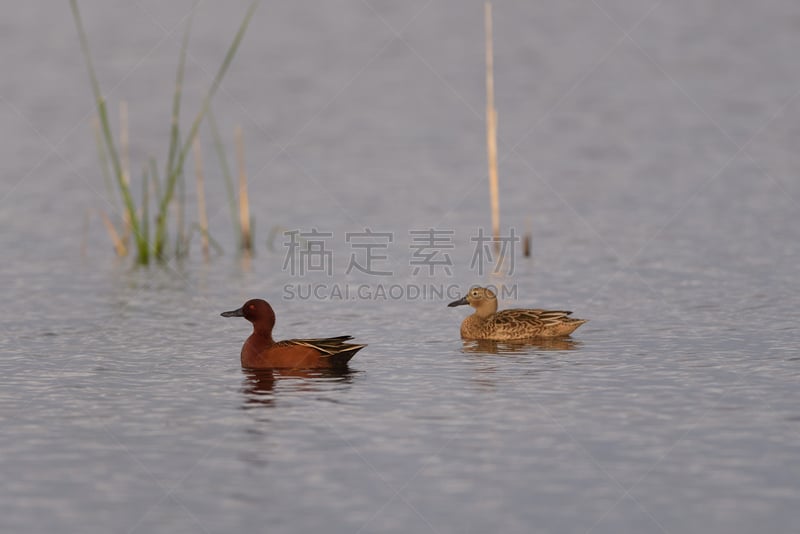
(257, 311)
(481, 298)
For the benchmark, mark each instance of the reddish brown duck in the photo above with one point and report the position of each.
(260, 351)
(509, 325)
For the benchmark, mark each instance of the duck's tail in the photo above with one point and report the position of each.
(335, 348)
(569, 325)
(348, 351)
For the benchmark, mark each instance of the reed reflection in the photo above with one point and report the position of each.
(485, 346)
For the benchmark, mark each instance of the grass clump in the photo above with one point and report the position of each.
(149, 245)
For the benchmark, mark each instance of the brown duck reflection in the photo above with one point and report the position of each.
(486, 368)
(486, 346)
(259, 385)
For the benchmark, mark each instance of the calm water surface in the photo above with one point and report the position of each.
(657, 172)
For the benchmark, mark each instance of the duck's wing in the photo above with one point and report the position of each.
(328, 346)
(513, 319)
(339, 339)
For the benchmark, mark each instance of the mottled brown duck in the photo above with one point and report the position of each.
(508, 325)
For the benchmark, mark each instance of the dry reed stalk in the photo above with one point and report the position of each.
(244, 204)
(201, 198)
(230, 188)
(127, 228)
(526, 245)
(527, 237)
(491, 129)
(247, 261)
(119, 244)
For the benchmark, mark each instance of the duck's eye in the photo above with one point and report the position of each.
(252, 306)
(474, 293)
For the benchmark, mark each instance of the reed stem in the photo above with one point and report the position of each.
(526, 239)
(119, 245)
(154, 178)
(180, 240)
(180, 158)
(145, 237)
(124, 145)
(244, 203)
(219, 147)
(176, 98)
(102, 113)
(491, 129)
(201, 199)
(101, 155)
(115, 160)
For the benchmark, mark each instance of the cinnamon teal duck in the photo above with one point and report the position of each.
(260, 351)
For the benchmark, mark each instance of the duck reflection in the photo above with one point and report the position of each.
(485, 346)
(259, 385)
(490, 373)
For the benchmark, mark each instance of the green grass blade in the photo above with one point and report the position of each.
(180, 239)
(154, 177)
(103, 157)
(104, 124)
(195, 227)
(226, 172)
(143, 239)
(176, 99)
(177, 168)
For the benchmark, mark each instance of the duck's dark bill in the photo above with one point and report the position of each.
(233, 313)
(459, 302)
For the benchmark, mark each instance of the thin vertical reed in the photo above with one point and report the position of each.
(176, 98)
(115, 160)
(119, 245)
(174, 143)
(124, 145)
(219, 147)
(527, 238)
(180, 241)
(124, 150)
(156, 181)
(108, 136)
(201, 198)
(101, 155)
(145, 228)
(180, 157)
(244, 204)
(491, 128)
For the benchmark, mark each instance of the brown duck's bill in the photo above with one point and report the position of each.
(233, 313)
(460, 302)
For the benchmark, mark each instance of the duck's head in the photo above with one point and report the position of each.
(257, 311)
(481, 298)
